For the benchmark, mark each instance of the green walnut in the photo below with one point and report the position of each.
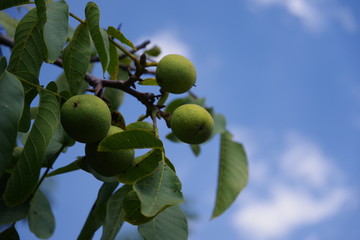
(86, 118)
(175, 74)
(192, 124)
(110, 163)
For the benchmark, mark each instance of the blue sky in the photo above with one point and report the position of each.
(286, 75)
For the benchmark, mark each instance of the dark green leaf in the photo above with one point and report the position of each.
(41, 217)
(115, 213)
(119, 36)
(169, 224)
(26, 173)
(76, 58)
(195, 149)
(113, 67)
(3, 65)
(132, 209)
(28, 51)
(4, 4)
(68, 168)
(130, 139)
(154, 51)
(97, 214)
(144, 165)
(12, 214)
(158, 190)
(41, 12)
(233, 173)
(149, 82)
(8, 23)
(10, 234)
(56, 28)
(11, 107)
(98, 35)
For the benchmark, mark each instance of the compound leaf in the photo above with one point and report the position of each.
(26, 173)
(233, 173)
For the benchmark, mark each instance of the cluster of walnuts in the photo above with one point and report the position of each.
(87, 118)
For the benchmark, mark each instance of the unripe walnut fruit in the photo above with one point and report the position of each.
(86, 118)
(109, 163)
(192, 124)
(175, 74)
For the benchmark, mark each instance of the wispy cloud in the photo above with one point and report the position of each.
(315, 15)
(170, 42)
(295, 187)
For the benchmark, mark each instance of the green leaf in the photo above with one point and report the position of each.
(132, 209)
(169, 224)
(219, 123)
(130, 139)
(58, 144)
(41, 217)
(171, 136)
(56, 28)
(11, 107)
(28, 51)
(154, 51)
(149, 82)
(233, 173)
(10, 234)
(4, 4)
(12, 214)
(26, 173)
(76, 58)
(98, 35)
(158, 190)
(144, 165)
(115, 213)
(8, 23)
(195, 149)
(97, 214)
(115, 96)
(3, 65)
(119, 36)
(68, 168)
(113, 67)
(140, 125)
(41, 12)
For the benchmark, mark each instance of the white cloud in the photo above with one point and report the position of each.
(296, 187)
(170, 42)
(315, 15)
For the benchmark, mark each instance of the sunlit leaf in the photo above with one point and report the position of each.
(41, 217)
(119, 36)
(144, 165)
(8, 23)
(141, 125)
(149, 82)
(11, 107)
(76, 58)
(56, 28)
(12, 3)
(169, 224)
(158, 190)
(233, 173)
(130, 139)
(98, 35)
(28, 51)
(97, 214)
(26, 173)
(115, 213)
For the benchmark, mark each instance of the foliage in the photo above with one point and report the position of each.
(148, 193)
